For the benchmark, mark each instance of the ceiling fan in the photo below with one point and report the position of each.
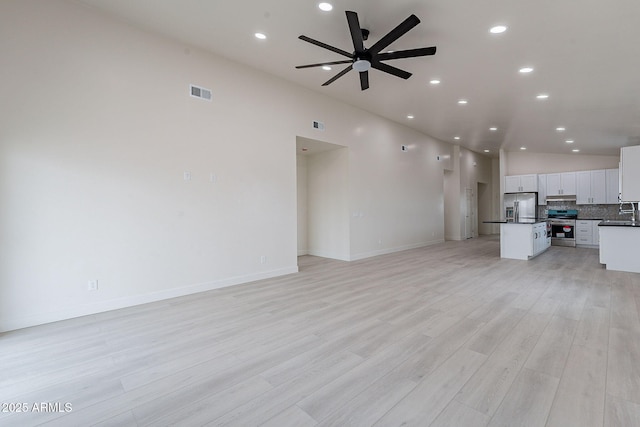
(362, 59)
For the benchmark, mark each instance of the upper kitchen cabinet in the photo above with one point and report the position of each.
(613, 186)
(591, 188)
(560, 184)
(521, 183)
(630, 173)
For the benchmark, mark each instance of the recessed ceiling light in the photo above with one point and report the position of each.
(409, 116)
(542, 96)
(486, 151)
(456, 137)
(498, 29)
(523, 148)
(561, 129)
(525, 70)
(325, 7)
(326, 68)
(435, 82)
(462, 101)
(575, 150)
(569, 141)
(493, 129)
(260, 36)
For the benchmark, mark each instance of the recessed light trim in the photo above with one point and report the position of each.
(542, 96)
(325, 7)
(435, 82)
(456, 138)
(487, 151)
(498, 29)
(560, 129)
(523, 148)
(326, 68)
(576, 150)
(463, 101)
(526, 70)
(493, 129)
(410, 116)
(260, 36)
(569, 141)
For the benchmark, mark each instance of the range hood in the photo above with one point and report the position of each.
(562, 198)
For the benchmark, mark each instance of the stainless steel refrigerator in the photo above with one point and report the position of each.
(520, 206)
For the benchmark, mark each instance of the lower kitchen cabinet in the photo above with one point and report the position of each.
(523, 240)
(587, 232)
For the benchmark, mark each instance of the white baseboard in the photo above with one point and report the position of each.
(302, 252)
(10, 324)
(330, 255)
(385, 251)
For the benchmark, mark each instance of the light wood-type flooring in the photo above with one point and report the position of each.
(447, 335)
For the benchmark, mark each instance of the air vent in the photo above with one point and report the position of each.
(318, 125)
(200, 92)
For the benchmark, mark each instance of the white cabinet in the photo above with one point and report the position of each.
(587, 232)
(542, 189)
(591, 187)
(630, 173)
(613, 186)
(619, 248)
(521, 183)
(523, 241)
(559, 184)
(540, 240)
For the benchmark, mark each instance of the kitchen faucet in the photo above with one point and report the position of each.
(632, 211)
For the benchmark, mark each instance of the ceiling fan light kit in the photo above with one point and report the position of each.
(362, 59)
(361, 65)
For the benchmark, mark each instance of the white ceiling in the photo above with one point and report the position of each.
(585, 54)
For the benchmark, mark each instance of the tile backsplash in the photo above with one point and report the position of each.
(586, 211)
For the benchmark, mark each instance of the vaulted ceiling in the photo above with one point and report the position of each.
(585, 56)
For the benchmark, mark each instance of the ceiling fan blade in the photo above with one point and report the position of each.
(391, 70)
(364, 80)
(337, 76)
(395, 34)
(326, 46)
(356, 32)
(411, 53)
(346, 61)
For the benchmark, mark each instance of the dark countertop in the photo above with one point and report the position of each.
(610, 223)
(522, 221)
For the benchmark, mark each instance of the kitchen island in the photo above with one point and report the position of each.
(523, 239)
(619, 241)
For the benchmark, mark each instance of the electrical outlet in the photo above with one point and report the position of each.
(187, 176)
(263, 259)
(213, 178)
(92, 285)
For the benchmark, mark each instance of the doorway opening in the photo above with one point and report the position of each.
(322, 199)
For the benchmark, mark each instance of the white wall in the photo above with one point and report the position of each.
(97, 131)
(519, 163)
(328, 204)
(301, 187)
(411, 212)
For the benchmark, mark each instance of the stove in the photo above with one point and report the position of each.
(563, 226)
